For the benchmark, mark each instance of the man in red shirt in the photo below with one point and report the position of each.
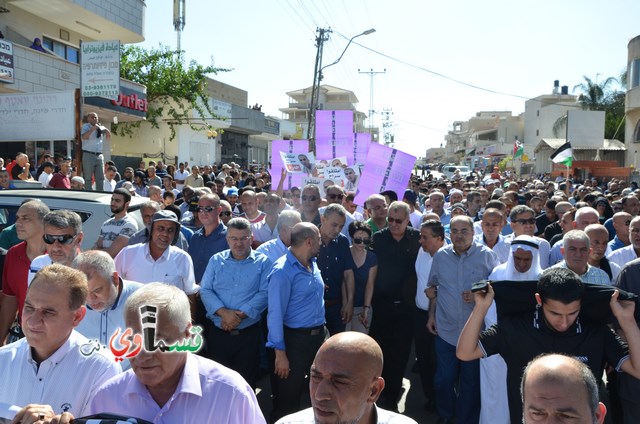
(61, 178)
(30, 229)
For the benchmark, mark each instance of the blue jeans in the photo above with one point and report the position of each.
(457, 384)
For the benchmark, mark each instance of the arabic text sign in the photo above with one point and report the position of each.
(6, 61)
(100, 69)
(385, 169)
(288, 146)
(298, 163)
(37, 116)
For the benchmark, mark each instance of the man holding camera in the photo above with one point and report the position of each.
(93, 135)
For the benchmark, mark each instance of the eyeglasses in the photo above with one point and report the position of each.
(207, 209)
(627, 223)
(336, 196)
(225, 213)
(360, 241)
(309, 198)
(396, 220)
(62, 239)
(236, 239)
(523, 221)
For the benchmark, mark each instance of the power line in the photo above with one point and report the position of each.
(477, 87)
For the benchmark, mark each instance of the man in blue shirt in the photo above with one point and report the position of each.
(211, 238)
(336, 265)
(296, 317)
(234, 292)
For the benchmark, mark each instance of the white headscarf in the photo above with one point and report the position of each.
(507, 270)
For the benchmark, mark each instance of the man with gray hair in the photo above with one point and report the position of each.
(576, 250)
(63, 236)
(276, 248)
(455, 268)
(234, 293)
(29, 228)
(393, 303)
(559, 385)
(584, 216)
(174, 386)
(107, 295)
(336, 266)
(376, 205)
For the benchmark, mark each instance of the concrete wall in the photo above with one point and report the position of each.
(36, 71)
(128, 14)
(632, 107)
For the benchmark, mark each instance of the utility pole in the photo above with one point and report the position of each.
(387, 127)
(371, 74)
(323, 36)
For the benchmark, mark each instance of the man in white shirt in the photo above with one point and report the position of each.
(431, 240)
(47, 174)
(159, 260)
(53, 369)
(631, 252)
(276, 248)
(109, 179)
(107, 296)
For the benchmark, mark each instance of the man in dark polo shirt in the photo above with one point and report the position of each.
(554, 327)
(336, 265)
(396, 248)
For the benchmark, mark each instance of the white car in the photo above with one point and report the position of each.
(449, 170)
(94, 207)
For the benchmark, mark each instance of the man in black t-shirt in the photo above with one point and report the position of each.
(554, 327)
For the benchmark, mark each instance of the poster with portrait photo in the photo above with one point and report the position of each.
(299, 163)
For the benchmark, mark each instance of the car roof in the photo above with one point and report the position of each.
(101, 197)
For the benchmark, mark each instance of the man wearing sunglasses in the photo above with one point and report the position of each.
(396, 248)
(523, 222)
(620, 222)
(309, 203)
(63, 237)
(211, 238)
(159, 260)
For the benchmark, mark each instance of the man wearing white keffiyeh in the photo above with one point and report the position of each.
(523, 264)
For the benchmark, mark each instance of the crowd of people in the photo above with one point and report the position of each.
(315, 290)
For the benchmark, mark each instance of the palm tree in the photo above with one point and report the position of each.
(599, 96)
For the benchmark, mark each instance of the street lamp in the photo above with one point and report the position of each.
(317, 79)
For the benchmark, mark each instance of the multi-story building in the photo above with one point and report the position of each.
(484, 139)
(543, 114)
(632, 104)
(237, 133)
(54, 70)
(330, 98)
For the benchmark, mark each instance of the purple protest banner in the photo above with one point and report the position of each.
(385, 169)
(334, 134)
(361, 142)
(287, 146)
(334, 124)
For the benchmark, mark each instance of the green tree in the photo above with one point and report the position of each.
(173, 89)
(600, 96)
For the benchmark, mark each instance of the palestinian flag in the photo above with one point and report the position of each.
(518, 149)
(564, 154)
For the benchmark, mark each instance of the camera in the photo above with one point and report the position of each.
(98, 132)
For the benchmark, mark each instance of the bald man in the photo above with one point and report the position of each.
(559, 388)
(345, 384)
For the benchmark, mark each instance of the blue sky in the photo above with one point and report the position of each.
(513, 47)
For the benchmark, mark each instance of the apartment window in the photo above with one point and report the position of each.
(65, 51)
(636, 137)
(537, 113)
(634, 74)
(537, 133)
